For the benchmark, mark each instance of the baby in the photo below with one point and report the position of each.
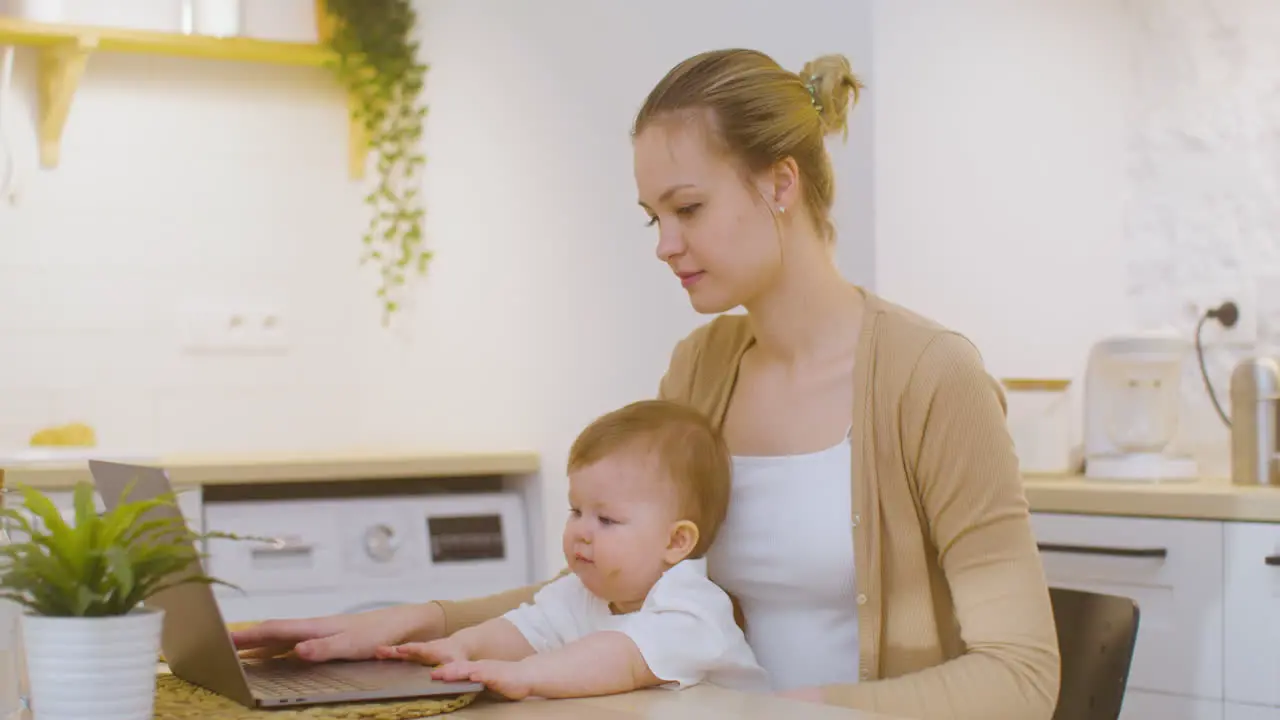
(648, 489)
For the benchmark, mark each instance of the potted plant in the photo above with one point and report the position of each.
(377, 62)
(91, 645)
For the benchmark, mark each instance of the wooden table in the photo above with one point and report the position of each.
(696, 703)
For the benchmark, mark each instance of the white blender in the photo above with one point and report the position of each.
(1131, 406)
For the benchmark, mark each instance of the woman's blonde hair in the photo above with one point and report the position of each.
(760, 113)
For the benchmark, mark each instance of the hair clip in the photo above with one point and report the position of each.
(811, 84)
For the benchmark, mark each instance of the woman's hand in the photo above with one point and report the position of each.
(508, 679)
(341, 637)
(437, 652)
(807, 694)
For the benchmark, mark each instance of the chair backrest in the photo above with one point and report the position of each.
(1096, 635)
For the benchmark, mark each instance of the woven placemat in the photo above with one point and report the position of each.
(177, 699)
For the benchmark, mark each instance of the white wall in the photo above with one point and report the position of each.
(1044, 173)
(196, 183)
(530, 166)
(1051, 172)
(1204, 172)
(1000, 130)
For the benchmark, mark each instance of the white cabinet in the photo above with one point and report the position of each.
(1252, 612)
(1209, 596)
(1240, 711)
(1172, 568)
(1143, 705)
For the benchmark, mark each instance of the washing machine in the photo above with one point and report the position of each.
(309, 557)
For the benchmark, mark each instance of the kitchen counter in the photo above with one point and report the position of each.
(285, 468)
(1202, 499)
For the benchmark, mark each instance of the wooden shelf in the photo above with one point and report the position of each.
(65, 50)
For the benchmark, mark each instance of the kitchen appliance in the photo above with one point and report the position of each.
(1131, 406)
(1255, 401)
(350, 552)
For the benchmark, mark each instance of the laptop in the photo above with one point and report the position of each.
(197, 644)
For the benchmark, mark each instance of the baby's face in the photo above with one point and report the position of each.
(618, 537)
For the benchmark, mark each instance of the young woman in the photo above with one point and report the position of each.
(878, 540)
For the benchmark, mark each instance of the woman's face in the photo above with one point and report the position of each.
(715, 231)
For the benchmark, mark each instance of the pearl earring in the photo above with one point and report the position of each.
(781, 209)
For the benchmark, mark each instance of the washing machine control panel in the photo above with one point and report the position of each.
(459, 537)
(336, 555)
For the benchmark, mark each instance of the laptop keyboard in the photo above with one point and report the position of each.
(296, 681)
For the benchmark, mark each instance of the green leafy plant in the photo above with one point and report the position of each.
(103, 565)
(377, 62)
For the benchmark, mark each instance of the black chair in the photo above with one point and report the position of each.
(1096, 635)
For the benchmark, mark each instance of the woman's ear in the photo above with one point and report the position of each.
(684, 538)
(780, 185)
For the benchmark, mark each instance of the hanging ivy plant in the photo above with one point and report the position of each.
(377, 62)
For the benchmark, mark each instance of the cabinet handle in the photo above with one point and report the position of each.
(1102, 550)
(1272, 560)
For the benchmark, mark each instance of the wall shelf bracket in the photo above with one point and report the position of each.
(61, 67)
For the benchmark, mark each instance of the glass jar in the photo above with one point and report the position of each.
(1039, 418)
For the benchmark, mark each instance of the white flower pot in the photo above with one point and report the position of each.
(93, 668)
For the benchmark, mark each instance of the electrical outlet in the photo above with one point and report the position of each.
(211, 330)
(1243, 334)
(269, 330)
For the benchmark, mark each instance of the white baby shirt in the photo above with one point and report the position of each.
(685, 629)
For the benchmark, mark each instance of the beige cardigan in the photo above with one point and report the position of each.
(954, 612)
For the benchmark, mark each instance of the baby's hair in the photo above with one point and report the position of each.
(684, 446)
(759, 113)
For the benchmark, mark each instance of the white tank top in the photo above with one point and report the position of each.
(785, 552)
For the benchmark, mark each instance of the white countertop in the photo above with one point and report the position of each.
(1202, 499)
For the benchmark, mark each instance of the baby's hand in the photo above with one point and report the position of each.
(509, 679)
(436, 652)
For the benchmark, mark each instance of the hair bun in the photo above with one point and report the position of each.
(836, 89)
